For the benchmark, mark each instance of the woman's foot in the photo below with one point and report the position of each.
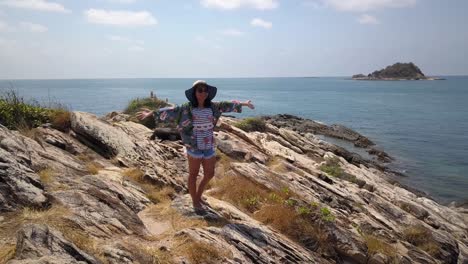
(199, 209)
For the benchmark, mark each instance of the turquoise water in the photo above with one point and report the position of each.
(424, 124)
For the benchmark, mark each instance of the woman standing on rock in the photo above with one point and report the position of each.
(195, 121)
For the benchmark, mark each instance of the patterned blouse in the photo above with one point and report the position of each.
(203, 127)
(182, 115)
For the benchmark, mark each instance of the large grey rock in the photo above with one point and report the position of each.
(42, 244)
(19, 185)
(105, 207)
(304, 125)
(101, 136)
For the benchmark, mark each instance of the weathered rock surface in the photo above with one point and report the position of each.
(41, 244)
(303, 126)
(105, 206)
(248, 240)
(19, 185)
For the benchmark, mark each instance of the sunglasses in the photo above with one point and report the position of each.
(202, 89)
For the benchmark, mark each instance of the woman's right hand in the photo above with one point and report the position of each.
(144, 113)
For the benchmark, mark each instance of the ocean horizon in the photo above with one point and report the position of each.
(210, 78)
(422, 124)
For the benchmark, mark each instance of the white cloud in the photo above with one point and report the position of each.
(366, 5)
(258, 22)
(232, 32)
(235, 4)
(120, 18)
(368, 19)
(36, 28)
(41, 5)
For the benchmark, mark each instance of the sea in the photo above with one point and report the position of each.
(422, 124)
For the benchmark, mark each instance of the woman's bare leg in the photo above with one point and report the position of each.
(208, 171)
(194, 167)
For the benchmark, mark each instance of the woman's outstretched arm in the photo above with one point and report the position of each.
(233, 106)
(167, 114)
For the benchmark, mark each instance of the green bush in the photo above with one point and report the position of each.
(16, 113)
(137, 104)
(332, 168)
(252, 124)
(151, 103)
(327, 215)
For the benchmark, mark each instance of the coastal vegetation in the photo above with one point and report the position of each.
(152, 103)
(19, 114)
(332, 167)
(251, 124)
(397, 71)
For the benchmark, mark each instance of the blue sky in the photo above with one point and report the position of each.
(42, 39)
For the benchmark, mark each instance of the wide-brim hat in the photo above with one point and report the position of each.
(191, 95)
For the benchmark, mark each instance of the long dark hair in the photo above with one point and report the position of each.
(206, 104)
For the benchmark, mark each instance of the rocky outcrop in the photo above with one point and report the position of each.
(19, 184)
(397, 71)
(303, 126)
(124, 199)
(248, 240)
(306, 126)
(41, 244)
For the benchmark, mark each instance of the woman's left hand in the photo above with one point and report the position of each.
(248, 104)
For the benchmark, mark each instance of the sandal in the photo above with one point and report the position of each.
(199, 210)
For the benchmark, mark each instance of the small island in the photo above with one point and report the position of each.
(395, 72)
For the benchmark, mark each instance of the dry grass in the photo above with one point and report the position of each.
(422, 238)
(296, 225)
(51, 215)
(241, 192)
(158, 195)
(278, 165)
(93, 167)
(32, 133)
(223, 161)
(154, 193)
(376, 245)
(149, 254)
(61, 119)
(46, 175)
(82, 240)
(281, 217)
(164, 212)
(7, 252)
(278, 208)
(199, 252)
(55, 217)
(134, 174)
(85, 157)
